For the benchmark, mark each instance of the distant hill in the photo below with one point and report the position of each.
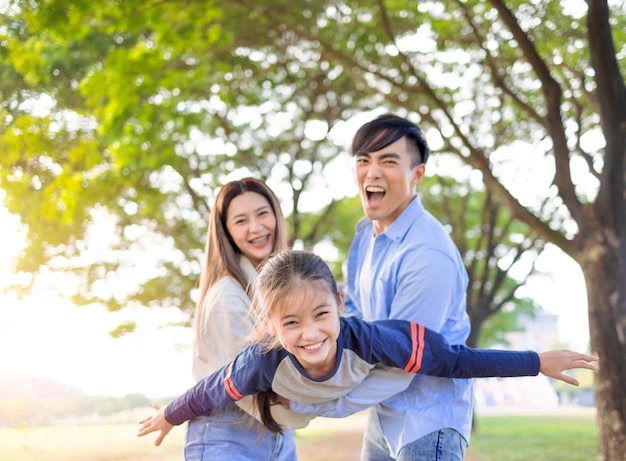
(19, 386)
(34, 401)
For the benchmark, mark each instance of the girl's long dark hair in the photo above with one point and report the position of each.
(264, 401)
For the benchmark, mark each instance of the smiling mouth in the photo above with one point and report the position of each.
(313, 347)
(260, 240)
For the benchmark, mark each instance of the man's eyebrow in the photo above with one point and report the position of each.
(389, 155)
(386, 155)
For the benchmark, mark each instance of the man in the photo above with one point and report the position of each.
(403, 265)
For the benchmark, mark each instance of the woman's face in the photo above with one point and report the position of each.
(252, 226)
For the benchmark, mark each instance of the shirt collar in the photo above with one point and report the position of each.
(402, 224)
(247, 268)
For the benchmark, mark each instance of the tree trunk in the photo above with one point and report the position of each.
(605, 276)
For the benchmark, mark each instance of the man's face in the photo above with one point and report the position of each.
(387, 182)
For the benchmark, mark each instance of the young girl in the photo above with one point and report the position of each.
(245, 226)
(307, 352)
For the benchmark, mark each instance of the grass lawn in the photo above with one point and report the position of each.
(535, 438)
(510, 438)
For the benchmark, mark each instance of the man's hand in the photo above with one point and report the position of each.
(154, 423)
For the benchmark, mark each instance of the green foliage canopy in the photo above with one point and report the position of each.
(138, 110)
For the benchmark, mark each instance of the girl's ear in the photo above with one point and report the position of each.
(269, 327)
(342, 299)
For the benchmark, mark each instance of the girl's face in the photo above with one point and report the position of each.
(252, 225)
(306, 322)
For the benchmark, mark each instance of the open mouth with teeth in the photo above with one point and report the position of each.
(260, 240)
(374, 194)
(313, 347)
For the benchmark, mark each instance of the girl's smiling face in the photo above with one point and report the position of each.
(306, 322)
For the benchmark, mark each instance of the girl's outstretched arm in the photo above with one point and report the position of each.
(156, 422)
(553, 363)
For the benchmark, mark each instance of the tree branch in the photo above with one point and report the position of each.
(554, 123)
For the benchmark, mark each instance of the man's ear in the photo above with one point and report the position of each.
(342, 300)
(418, 174)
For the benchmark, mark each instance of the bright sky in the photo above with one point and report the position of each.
(47, 336)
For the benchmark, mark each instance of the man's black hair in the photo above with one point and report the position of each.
(387, 129)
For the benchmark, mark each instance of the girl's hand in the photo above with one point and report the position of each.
(553, 363)
(154, 423)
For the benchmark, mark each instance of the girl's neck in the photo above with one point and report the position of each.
(320, 372)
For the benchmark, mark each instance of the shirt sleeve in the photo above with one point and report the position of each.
(350, 307)
(433, 355)
(251, 372)
(416, 349)
(224, 326)
(427, 289)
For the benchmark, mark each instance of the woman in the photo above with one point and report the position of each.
(245, 226)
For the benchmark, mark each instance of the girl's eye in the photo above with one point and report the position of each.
(323, 313)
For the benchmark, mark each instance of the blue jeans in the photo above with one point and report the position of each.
(442, 445)
(230, 434)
